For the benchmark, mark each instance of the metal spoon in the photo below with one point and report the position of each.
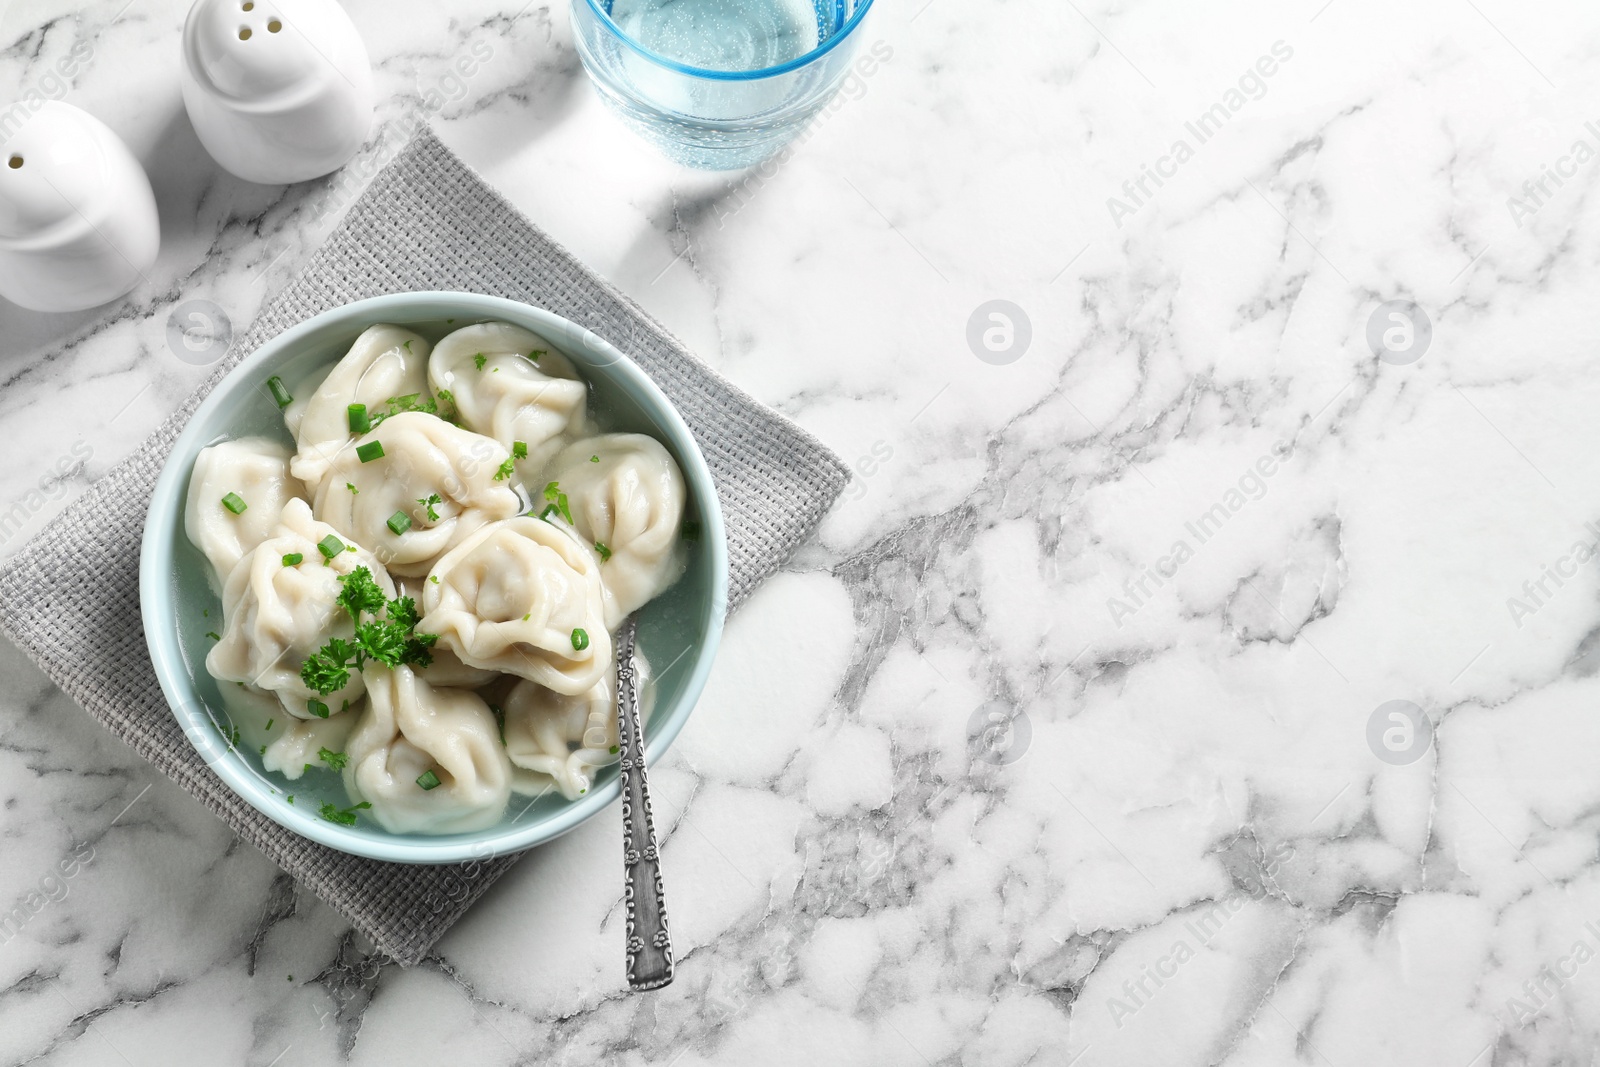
(649, 944)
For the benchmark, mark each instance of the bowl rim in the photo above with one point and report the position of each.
(168, 499)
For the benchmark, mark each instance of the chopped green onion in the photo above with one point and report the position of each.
(330, 546)
(500, 717)
(352, 487)
(291, 800)
(434, 578)
(580, 639)
(213, 635)
(279, 393)
(270, 722)
(399, 523)
(293, 558)
(317, 708)
(691, 530)
(594, 459)
(428, 780)
(234, 503)
(536, 353)
(357, 414)
(605, 553)
(263, 751)
(612, 750)
(406, 346)
(370, 451)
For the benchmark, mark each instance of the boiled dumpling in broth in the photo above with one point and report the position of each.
(385, 363)
(236, 494)
(511, 385)
(557, 742)
(446, 668)
(521, 597)
(627, 496)
(437, 478)
(301, 742)
(276, 613)
(428, 760)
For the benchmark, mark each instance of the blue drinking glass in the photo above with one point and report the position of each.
(717, 84)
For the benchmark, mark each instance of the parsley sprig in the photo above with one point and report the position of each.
(387, 635)
(342, 816)
(557, 504)
(519, 450)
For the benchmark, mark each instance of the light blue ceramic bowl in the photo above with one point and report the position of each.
(678, 632)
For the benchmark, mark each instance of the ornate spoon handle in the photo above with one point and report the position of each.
(649, 944)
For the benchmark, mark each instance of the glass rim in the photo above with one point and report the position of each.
(733, 75)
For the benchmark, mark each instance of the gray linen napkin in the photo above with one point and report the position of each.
(426, 222)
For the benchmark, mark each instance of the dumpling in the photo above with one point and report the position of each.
(511, 385)
(255, 470)
(627, 497)
(557, 742)
(300, 741)
(446, 668)
(521, 597)
(411, 729)
(385, 363)
(287, 744)
(438, 477)
(276, 614)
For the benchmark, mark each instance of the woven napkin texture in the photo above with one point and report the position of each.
(426, 222)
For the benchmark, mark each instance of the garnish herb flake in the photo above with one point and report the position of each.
(342, 816)
(336, 760)
(293, 559)
(280, 395)
(558, 503)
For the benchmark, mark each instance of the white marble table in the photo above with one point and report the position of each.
(1070, 738)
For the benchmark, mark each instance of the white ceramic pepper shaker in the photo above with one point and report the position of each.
(78, 223)
(278, 90)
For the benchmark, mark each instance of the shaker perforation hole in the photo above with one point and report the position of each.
(15, 163)
(244, 33)
(274, 26)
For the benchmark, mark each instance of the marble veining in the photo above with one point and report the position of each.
(1188, 676)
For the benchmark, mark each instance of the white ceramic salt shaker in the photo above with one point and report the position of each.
(278, 90)
(78, 224)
